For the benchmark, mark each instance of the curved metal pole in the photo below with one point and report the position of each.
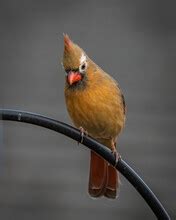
(121, 165)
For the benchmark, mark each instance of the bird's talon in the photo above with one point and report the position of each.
(117, 156)
(82, 133)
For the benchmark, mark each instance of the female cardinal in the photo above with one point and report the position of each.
(96, 105)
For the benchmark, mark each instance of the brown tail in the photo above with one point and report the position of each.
(112, 183)
(103, 179)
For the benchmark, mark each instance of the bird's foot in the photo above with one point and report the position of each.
(114, 152)
(82, 133)
(116, 155)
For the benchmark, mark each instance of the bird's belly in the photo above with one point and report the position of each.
(100, 121)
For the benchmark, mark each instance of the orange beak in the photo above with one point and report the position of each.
(73, 77)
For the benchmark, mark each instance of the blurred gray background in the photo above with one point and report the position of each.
(44, 175)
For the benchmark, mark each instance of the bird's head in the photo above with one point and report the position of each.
(75, 63)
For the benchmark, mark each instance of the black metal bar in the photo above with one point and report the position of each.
(122, 166)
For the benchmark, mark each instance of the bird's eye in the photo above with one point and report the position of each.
(82, 67)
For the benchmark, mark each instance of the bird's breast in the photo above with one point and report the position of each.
(99, 111)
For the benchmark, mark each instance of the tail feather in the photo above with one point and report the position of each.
(103, 179)
(112, 183)
(98, 175)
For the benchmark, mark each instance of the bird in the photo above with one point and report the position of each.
(97, 106)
